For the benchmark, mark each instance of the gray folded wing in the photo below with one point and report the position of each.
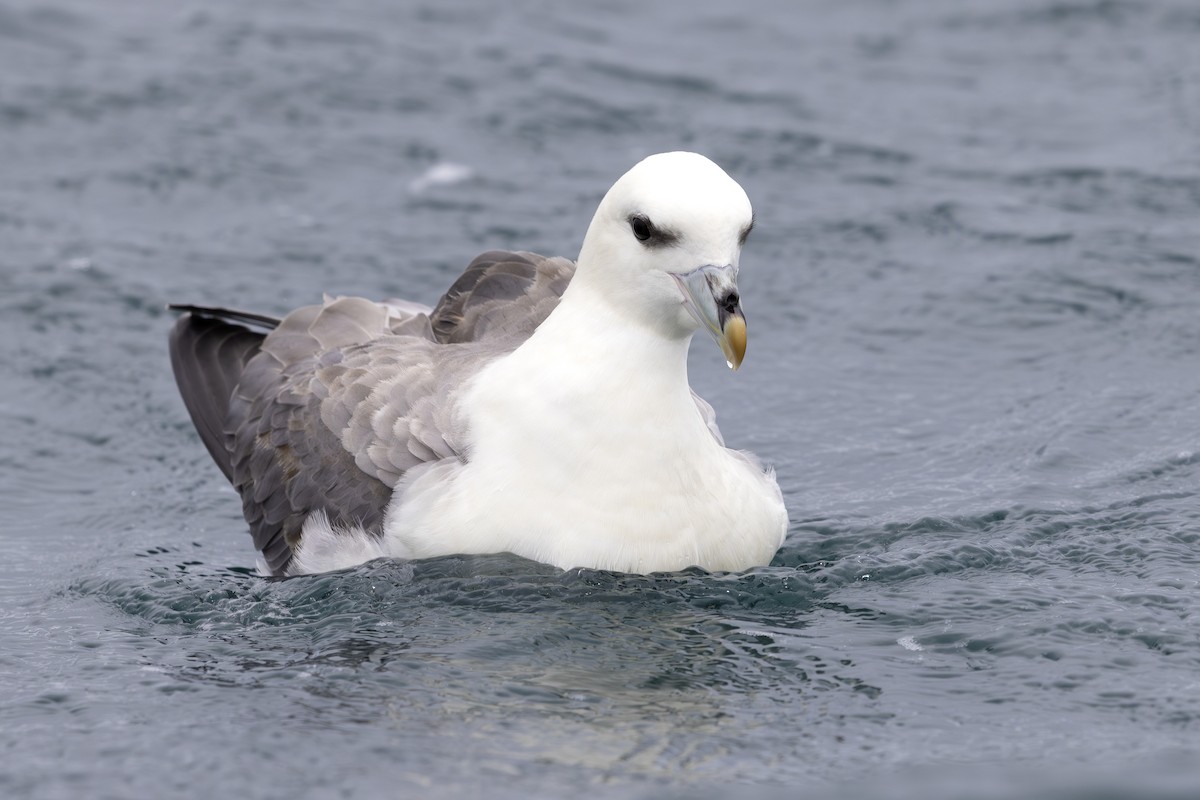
(341, 399)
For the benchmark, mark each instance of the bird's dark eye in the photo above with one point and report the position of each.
(641, 228)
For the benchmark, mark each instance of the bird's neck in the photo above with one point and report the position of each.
(598, 340)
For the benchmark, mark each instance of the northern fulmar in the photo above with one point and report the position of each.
(541, 408)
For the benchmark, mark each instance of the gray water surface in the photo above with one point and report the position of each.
(973, 299)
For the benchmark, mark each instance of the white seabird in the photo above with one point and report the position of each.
(542, 408)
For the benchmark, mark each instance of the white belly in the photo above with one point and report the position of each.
(645, 508)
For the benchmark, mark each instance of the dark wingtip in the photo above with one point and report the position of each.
(207, 357)
(228, 315)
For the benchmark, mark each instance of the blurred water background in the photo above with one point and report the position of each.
(973, 301)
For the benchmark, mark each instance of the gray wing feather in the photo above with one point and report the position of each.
(207, 357)
(501, 295)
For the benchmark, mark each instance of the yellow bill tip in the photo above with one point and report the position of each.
(733, 341)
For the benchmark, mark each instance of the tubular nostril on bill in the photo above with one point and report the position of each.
(730, 303)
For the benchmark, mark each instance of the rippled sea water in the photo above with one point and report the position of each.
(973, 297)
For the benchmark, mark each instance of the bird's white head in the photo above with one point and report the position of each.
(664, 247)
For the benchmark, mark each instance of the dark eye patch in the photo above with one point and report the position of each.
(650, 234)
